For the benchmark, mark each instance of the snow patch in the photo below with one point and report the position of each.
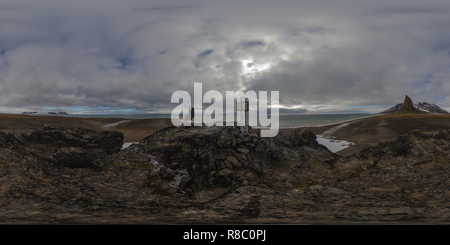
(430, 108)
(126, 145)
(333, 145)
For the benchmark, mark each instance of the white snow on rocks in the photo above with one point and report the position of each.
(332, 144)
(126, 145)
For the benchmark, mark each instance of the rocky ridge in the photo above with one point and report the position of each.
(219, 175)
(422, 106)
(430, 108)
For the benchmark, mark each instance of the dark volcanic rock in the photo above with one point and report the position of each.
(74, 147)
(202, 152)
(214, 174)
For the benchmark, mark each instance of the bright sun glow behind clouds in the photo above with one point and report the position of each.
(250, 68)
(135, 54)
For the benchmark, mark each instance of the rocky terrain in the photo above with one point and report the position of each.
(430, 108)
(219, 175)
(409, 106)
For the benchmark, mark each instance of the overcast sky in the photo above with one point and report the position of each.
(95, 56)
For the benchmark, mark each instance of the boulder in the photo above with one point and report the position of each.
(190, 174)
(71, 147)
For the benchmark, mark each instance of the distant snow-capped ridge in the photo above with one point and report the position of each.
(423, 106)
(430, 108)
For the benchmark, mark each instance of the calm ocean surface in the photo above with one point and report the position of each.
(286, 121)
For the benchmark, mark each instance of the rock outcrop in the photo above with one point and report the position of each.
(407, 104)
(418, 107)
(74, 147)
(212, 157)
(219, 175)
(408, 108)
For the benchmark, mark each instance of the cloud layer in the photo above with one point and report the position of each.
(133, 55)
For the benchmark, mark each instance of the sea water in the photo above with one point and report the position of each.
(314, 120)
(285, 121)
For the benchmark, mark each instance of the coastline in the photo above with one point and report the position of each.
(325, 133)
(331, 124)
(133, 130)
(370, 131)
(349, 136)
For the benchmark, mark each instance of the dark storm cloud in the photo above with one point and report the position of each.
(135, 54)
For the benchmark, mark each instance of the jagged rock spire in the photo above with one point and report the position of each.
(408, 104)
(408, 107)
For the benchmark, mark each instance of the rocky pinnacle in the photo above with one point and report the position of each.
(408, 107)
(408, 104)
